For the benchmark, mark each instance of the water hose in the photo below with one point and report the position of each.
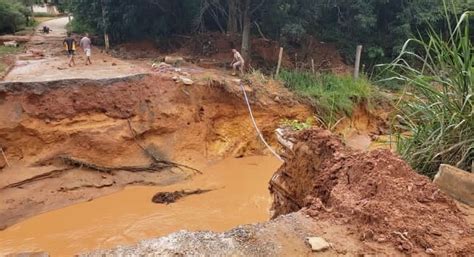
(255, 125)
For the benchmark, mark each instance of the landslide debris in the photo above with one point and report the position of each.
(376, 194)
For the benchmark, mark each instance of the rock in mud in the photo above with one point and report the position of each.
(186, 81)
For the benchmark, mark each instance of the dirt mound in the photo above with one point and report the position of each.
(377, 195)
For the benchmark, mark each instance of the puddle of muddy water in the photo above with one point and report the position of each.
(241, 197)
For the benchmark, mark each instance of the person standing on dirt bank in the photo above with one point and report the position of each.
(70, 46)
(238, 62)
(86, 46)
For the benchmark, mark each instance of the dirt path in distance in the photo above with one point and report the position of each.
(46, 60)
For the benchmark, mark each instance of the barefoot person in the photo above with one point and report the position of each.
(70, 46)
(238, 62)
(86, 46)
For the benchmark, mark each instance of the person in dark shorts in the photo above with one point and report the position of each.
(70, 46)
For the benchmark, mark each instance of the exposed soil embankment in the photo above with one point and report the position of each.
(375, 194)
(122, 122)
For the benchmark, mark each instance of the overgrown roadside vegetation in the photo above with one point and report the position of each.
(436, 113)
(14, 16)
(335, 96)
(6, 54)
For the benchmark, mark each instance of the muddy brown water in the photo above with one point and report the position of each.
(123, 218)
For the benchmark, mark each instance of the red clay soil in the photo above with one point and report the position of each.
(214, 50)
(376, 194)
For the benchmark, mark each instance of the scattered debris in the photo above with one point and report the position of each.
(160, 65)
(11, 44)
(4, 158)
(36, 52)
(284, 137)
(318, 244)
(171, 197)
(186, 81)
(174, 60)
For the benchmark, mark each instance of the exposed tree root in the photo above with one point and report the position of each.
(77, 163)
(157, 164)
(171, 197)
(51, 174)
(153, 156)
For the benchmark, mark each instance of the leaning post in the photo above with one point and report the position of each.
(280, 56)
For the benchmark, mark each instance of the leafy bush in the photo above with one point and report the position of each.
(44, 14)
(334, 95)
(293, 33)
(298, 125)
(79, 27)
(12, 16)
(438, 109)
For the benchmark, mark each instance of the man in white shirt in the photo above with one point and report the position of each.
(86, 46)
(238, 62)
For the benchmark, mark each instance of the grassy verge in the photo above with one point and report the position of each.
(437, 111)
(335, 96)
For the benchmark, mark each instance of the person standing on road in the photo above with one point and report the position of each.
(70, 46)
(238, 62)
(86, 46)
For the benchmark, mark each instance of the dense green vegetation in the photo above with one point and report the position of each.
(13, 16)
(335, 96)
(438, 109)
(380, 25)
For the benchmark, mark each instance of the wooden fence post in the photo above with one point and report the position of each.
(280, 56)
(357, 61)
(312, 65)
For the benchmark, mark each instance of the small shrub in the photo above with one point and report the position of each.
(44, 14)
(79, 27)
(298, 125)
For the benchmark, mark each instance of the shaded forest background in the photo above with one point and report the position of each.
(382, 26)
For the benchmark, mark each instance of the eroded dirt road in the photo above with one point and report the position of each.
(72, 135)
(46, 60)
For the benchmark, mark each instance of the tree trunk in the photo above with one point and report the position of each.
(32, 14)
(232, 19)
(247, 24)
(104, 24)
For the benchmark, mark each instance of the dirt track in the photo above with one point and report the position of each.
(46, 60)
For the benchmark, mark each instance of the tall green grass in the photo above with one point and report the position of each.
(436, 114)
(335, 96)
